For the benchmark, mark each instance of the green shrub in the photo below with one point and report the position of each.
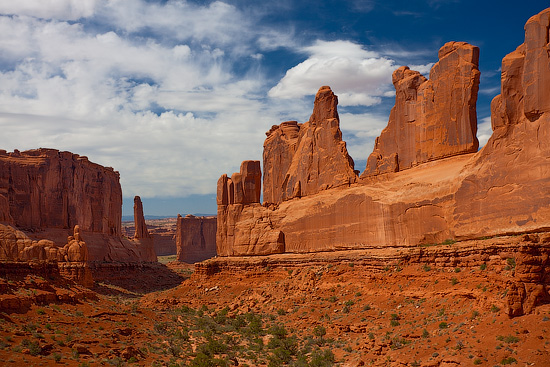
(443, 325)
(509, 360)
(322, 358)
(319, 331)
(508, 339)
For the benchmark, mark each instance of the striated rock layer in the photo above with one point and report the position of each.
(453, 194)
(46, 188)
(58, 205)
(303, 159)
(433, 118)
(195, 238)
(240, 226)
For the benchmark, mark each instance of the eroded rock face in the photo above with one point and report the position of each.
(195, 238)
(45, 194)
(433, 118)
(303, 159)
(46, 188)
(505, 186)
(139, 220)
(238, 233)
(531, 285)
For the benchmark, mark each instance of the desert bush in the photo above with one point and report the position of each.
(508, 339)
(319, 331)
(508, 360)
(322, 358)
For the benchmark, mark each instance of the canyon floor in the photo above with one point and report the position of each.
(333, 309)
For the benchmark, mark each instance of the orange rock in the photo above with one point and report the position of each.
(46, 193)
(195, 238)
(431, 119)
(139, 220)
(235, 194)
(46, 188)
(454, 194)
(310, 157)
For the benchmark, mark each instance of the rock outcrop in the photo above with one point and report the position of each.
(47, 195)
(504, 188)
(456, 193)
(303, 159)
(163, 232)
(431, 119)
(244, 233)
(46, 188)
(195, 238)
(141, 231)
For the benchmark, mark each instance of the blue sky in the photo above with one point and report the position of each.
(172, 94)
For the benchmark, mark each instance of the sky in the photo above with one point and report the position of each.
(172, 94)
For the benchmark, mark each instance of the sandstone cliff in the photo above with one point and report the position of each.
(46, 188)
(241, 229)
(303, 159)
(48, 196)
(433, 118)
(195, 238)
(456, 193)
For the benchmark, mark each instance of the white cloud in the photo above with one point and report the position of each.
(484, 130)
(115, 97)
(360, 76)
(359, 131)
(50, 9)
(150, 88)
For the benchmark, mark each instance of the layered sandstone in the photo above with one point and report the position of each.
(504, 188)
(141, 231)
(238, 232)
(195, 238)
(163, 232)
(46, 188)
(431, 119)
(303, 159)
(454, 194)
(47, 195)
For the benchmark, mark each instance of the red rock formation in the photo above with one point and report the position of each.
(46, 188)
(433, 118)
(195, 238)
(163, 232)
(504, 189)
(139, 220)
(45, 194)
(303, 159)
(500, 189)
(231, 239)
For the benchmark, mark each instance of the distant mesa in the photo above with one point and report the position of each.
(195, 238)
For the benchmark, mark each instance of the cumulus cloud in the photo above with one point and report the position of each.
(360, 76)
(359, 131)
(151, 88)
(484, 130)
(50, 9)
(168, 113)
